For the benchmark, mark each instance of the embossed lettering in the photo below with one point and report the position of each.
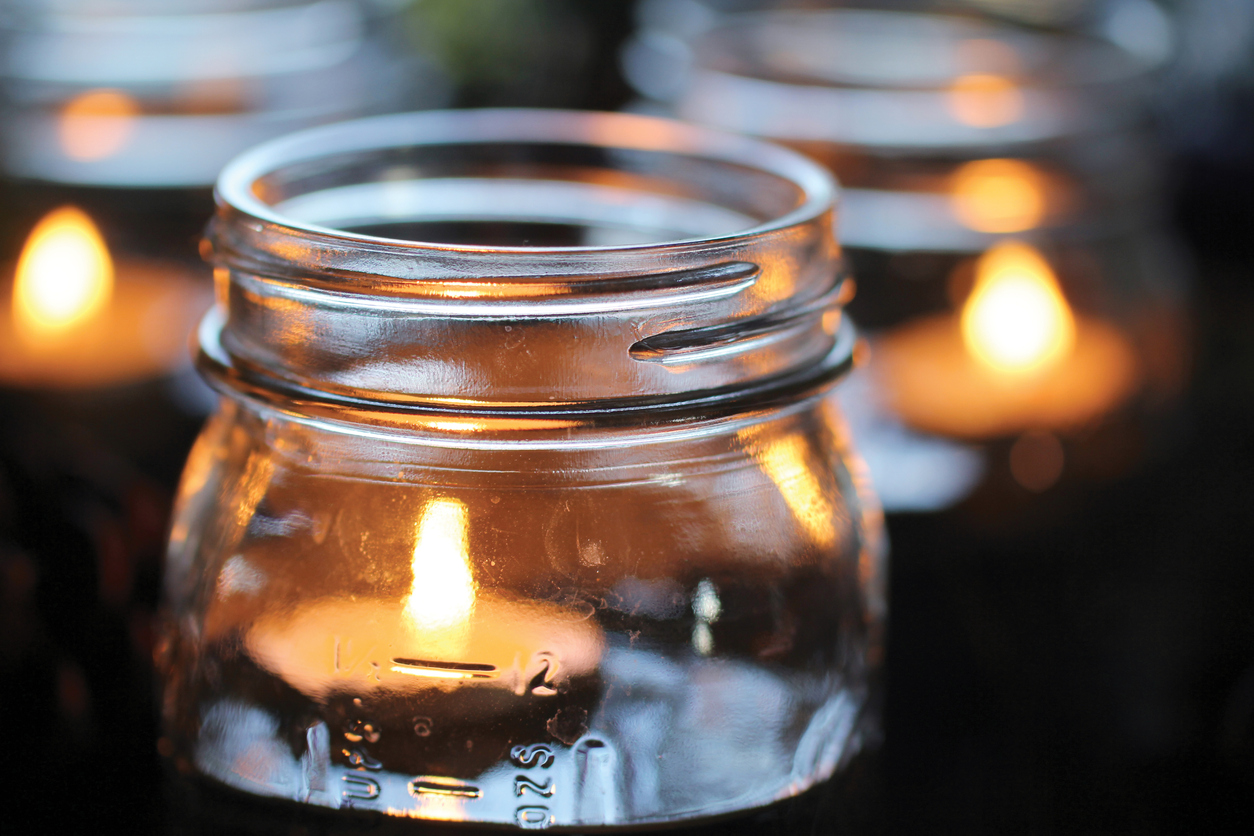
(533, 818)
(444, 670)
(542, 674)
(443, 786)
(358, 730)
(344, 662)
(522, 784)
(537, 754)
(360, 759)
(360, 787)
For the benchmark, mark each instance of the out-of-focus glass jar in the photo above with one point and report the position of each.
(128, 109)
(972, 152)
(161, 93)
(527, 501)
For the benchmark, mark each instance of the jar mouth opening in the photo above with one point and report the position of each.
(513, 181)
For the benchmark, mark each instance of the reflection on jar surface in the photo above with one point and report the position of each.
(536, 535)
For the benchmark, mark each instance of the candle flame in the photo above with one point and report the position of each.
(442, 597)
(998, 196)
(985, 100)
(64, 275)
(97, 124)
(1016, 319)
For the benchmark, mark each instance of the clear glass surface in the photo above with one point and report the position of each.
(602, 598)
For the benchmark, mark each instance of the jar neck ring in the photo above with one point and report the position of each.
(254, 385)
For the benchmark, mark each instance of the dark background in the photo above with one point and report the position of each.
(1092, 673)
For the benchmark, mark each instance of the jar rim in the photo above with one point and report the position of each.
(236, 186)
(1022, 84)
(425, 324)
(1067, 59)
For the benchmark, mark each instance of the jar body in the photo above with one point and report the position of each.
(635, 625)
(526, 504)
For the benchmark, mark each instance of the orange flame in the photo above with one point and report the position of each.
(1016, 319)
(64, 275)
(441, 600)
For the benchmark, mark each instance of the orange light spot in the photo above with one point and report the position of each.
(998, 196)
(97, 124)
(984, 100)
(1016, 319)
(1037, 460)
(787, 462)
(64, 275)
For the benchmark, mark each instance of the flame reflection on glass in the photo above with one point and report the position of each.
(441, 600)
(1016, 319)
(984, 100)
(64, 275)
(97, 124)
(786, 462)
(998, 195)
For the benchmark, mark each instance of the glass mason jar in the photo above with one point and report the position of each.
(527, 501)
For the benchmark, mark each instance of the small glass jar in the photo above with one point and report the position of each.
(527, 501)
(160, 94)
(128, 109)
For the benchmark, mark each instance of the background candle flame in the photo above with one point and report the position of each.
(64, 275)
(1016, 319)
(97, 124)
(442, 595)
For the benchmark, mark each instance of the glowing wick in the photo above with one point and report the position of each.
(442, 597)
(1016, 319)
(64, 275)
(998, 196)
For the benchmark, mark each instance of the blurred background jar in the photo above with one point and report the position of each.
(133, 106)
(1003, 216)
(1082, 662)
